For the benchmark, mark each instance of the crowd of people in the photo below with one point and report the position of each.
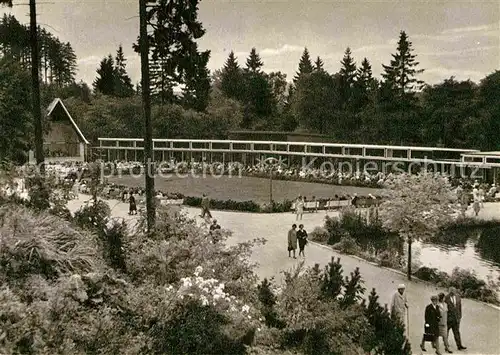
(443, 313)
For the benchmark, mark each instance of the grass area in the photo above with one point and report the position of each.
(244, 188)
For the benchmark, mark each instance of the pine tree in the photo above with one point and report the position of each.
(332, 280)
(354, 289)
(197, 79)
(123, 83)
(232, 79)
(305, 66)
(318, 64)
(363, 86)
(347, 77)
(175, 29)
(105, 82)
(400, 75)
(389, 334)
(69, 66)
(254, 63)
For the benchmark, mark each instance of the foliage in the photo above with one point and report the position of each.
(58, 62)
(320, 235)
(231, 83)
(42, 244)
(353, 228)
(15, 116)
(319, 312)
(346, 245)
(418, 205)
(247, 206)
(389, 334)
(305, 66)
(93, 215)
(176, 59)
(315, 100)
(400, 75)
(464, 280)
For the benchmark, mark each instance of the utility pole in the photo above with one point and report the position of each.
(35, 88)
(146, 107)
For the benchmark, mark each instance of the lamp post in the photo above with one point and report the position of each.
(272, 161)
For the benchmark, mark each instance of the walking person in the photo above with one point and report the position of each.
(132, 206)
(205, 207)
(443, 322)
(431, 328)
(476, 205)
(302, 239)
(481, 195)
(399, 305)
(454, 303)
(299, 208)
(292, 241)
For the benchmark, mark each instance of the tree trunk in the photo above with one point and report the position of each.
(410, 241)
(146, 105)
(35, 88)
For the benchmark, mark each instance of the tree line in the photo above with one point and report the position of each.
(191, 102)
(354, 106)
(57, 59)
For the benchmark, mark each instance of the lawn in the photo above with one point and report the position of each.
(243, 188)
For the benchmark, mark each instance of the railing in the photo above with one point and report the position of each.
(445, 156)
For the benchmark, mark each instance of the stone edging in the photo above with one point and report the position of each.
(396, 272)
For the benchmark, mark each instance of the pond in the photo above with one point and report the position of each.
(477, 249)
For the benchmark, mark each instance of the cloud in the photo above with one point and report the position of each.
(476, 50)
(444, 73)
(272, 52)
(457, 34)
(468, 29)
(90, 60)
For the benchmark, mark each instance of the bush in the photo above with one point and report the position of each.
(320, 235)
(432, 275)
(245, 206)
(347, 245)
(42, 244)
(463, 280)
(93, 215)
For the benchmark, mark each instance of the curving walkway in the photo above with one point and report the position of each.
(480, 323)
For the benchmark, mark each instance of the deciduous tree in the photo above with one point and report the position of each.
(417, 206)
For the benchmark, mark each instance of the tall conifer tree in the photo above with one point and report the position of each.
(305, 66)
(400, 74)
(347, 77)
(231, 78)
(254, 63)
(318, 64)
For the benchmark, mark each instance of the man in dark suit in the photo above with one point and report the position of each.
(431, 329)
(454, 303)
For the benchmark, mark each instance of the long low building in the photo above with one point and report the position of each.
(487, 164)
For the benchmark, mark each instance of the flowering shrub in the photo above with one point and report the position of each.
(93, 214)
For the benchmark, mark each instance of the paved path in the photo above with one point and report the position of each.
(480, 323)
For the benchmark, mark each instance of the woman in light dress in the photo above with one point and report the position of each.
(443, 321)
(299, 208)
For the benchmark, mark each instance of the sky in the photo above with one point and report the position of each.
(450, 37)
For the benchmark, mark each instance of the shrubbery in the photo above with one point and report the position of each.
(351, 234)
(321, 312)
(466, 281)
(88, 286)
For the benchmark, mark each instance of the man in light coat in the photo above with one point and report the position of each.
(399, 304)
